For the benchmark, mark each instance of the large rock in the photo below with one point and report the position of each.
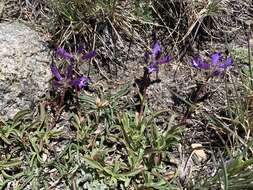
(24, 68)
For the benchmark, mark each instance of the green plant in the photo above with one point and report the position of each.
(138, 160)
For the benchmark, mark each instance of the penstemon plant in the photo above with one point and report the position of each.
(69, 80)
(217, 67)
(153, 59)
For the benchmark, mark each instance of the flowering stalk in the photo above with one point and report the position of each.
(153, 59)
(68, 80)
(144, 83)
(217, 67)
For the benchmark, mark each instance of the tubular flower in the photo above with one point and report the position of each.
(80, 82)
(62, 53)
(217, 64)
(88, 55)
(153, 58)
(66, 80)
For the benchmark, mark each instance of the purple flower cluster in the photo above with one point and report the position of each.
(62, 53)
(153, 58)
(217, 65)
(67, 80)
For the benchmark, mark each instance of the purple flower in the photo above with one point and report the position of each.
(66, 80)
(152, 68)
(56, 72)
(155, 55)
(215, 58)
(217, 64)
(216, 72)
(88, 55)
(62, 53)
(226, 63)
(198, 62)
(80, 82)
(156, 49)
(165, 59)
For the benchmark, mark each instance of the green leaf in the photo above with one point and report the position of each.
(9, 163)
(94, 164)
(76, 122)
(42, 113)
(88, 100)
(132, 173)
(5, 139)
(154, 115)
(122, 92)
(11, 177)
(20, 115)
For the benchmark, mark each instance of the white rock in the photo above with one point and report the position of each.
(24, 68)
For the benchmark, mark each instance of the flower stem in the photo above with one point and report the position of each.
(59, 110)
(143, 93)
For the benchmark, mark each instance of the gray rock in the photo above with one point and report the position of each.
(24, 68)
